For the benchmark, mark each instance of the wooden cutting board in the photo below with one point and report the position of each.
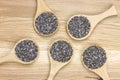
(16, 22)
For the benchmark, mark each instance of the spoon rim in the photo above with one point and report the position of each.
(90, 31)
(17, 58)
(93, 70)
(60, 39)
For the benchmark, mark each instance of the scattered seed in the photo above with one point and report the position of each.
(26, 50)
(79, 26)
(61, 51)
(94, 57)
(46, 23)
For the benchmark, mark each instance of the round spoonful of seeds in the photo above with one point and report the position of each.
(94, 58)
(60, 55)
(45, 22)
(25, 52)
(80, 27)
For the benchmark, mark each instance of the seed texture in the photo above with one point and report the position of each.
(46, 23)
(79, 26)
(61, 51)
(26, 50)
(94, 57)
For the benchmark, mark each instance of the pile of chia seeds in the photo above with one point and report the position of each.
(26, 50)
(61, 51)
(79, 26)
(46, 23)
(94, 57)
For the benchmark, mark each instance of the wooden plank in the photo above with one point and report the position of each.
(16, 22)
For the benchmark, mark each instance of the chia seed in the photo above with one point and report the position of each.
(94, 57)
(46, 23)
(26, 50)
(79, 26)
(61, 51)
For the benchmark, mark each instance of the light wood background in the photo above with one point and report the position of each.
(16, 22)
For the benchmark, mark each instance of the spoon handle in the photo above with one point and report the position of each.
(53, 72)
(8, 58)
(51, 76)
(55, 67)
(110, 12)
(41, 6)
(103, 73)
(105, 76)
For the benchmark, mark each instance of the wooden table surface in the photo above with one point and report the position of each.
(16, 22)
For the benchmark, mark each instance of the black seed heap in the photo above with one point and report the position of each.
(26, 50)
(79, 26)
(94, 57)
(61, 51)
(46, 23)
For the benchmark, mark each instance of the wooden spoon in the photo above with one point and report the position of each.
(94, 20)
(41, 8)
(102, 71)
(55, 66)
(12, 57)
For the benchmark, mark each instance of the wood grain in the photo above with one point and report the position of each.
(16, 22)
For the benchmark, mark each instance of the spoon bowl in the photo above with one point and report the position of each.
(12, 57)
